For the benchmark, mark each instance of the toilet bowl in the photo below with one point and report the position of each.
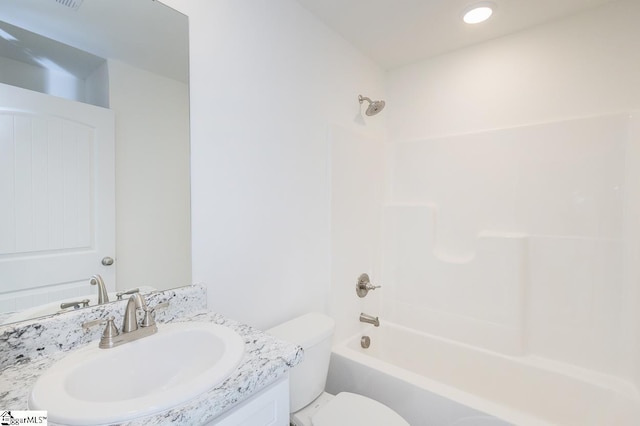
(310, 405)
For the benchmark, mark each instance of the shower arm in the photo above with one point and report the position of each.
(364, 98)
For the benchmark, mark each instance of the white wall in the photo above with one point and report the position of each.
(357, 184)
(461, 121)
(576, 67)
(267, 80)
(152, 178)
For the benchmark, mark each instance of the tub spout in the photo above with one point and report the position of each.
(370, 319)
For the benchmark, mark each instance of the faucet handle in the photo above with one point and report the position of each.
(110, 331)
(149, 318)
(75, 305)
(162, 305)
(364, 285)
(87, 325)
(150, 314)
(126, 293)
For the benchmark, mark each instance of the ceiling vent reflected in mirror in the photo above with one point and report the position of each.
(72, 4)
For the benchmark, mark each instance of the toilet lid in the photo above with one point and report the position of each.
(356, 410)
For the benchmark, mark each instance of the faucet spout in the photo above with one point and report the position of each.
(130, 322)
(103, 297)
(369, 319)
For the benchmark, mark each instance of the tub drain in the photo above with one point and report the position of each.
(365, 342)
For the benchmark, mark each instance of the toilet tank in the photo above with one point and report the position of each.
(313, 332)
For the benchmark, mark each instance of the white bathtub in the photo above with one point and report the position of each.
(433, 381)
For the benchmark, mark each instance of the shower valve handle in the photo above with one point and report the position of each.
(364, 285)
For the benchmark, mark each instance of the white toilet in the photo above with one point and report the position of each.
(310, 405)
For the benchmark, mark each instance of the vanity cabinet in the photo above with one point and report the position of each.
(269, 407)
(256, 392)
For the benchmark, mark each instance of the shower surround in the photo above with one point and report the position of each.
(513, 240)
(507, 261)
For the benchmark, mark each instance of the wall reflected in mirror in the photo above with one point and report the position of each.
(126, 61)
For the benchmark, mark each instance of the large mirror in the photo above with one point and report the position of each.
(74, 74)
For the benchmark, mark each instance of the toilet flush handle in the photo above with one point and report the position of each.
(364, 285)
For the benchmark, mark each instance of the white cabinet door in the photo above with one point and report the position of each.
(57, 190)
(269, 407)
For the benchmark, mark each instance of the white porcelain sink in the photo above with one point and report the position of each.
(96, 386)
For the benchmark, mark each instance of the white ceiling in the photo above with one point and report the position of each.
(391, 32)
(398, 32)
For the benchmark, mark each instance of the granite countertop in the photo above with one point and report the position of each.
(265, 360)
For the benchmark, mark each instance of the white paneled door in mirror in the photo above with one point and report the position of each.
(57, 215)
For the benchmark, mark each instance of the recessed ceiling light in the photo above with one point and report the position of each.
(477, 13)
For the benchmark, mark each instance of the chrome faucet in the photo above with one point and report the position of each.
(103, 297)
(131, 328)
(370, 319)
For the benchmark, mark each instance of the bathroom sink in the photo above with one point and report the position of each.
(140, 378)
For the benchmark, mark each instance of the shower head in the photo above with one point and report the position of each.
(374, 106)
